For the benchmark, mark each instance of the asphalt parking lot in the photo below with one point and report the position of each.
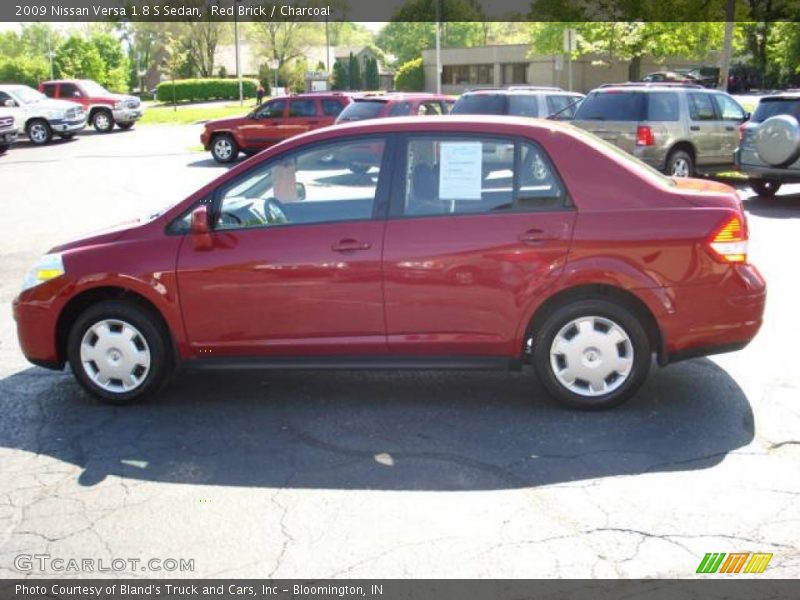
(414, 474)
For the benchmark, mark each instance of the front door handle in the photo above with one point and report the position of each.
(695, 127)
(729, 128)
(537, 235)
(350, 245)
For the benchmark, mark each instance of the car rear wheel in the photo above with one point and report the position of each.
(680, 164)
(591, 354)
(39, 132)
(117, 352)
(125, 126)
(224, 148)
(102, 121)
(765, 188)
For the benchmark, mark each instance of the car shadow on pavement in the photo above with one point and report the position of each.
(374, 430)
(785, 206)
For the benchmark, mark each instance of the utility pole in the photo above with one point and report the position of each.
(438, 47)
(327, 47)
(727, 43)
(238, 54)
(50, 54)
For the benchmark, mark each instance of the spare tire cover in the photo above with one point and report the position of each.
(777, 140)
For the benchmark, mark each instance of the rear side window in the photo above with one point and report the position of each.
(770, 108)
(701, 108)
(464, 175)
(480, 104)
(662, 106)
(523, 105)
(272, 110)
(331, 108)
(361, 109)
(429, 109)
(302, 108)
(612, 105)
(400, 109)
(49, 90)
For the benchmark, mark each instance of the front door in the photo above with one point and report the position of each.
(265, 127)
(295, 266)
(481, 227)
(705, 131)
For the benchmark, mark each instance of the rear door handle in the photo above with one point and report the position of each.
(729, 128)
(538, 235)
(350, 245)
(695, 127)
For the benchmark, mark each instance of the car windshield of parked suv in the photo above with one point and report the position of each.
(480, 104)
(28, 95)
(362, 109)
(93, 89)
(612, 105)
(771, 107)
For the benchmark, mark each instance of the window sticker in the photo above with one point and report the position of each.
(460, 170)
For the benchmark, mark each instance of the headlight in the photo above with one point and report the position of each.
(56, 114)
(49, 267)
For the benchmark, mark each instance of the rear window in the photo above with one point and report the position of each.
(362, 109)
(770, 108)
(612, 105)
(480, 104)
(662, 106)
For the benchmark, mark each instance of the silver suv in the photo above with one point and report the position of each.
(769, 151)
(680, 129)
(519, 100)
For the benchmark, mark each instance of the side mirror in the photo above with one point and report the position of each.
(77, 94)
(747, 116)
(10, 103)
(201, 229)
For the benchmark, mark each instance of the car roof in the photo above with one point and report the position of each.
(520, 90)
(787, 95)
(644, 86)
(397, 96)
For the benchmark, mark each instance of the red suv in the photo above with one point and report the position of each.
(419, 261)
(270, 123)
(105, 109)
(395, 104)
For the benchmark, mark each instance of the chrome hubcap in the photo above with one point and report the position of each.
(591, 356)
(680, 168)
(38, 133)
(115, 355)
(101, 121)
(223, 149)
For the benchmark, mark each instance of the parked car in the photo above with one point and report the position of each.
(523, 101)
(769, 150)
(677, 128)
(743, 78)
(289, 262)
(38, 116)
(397, 104)
(105, 109)
(8, 130)
(669, 76)
(272, 122)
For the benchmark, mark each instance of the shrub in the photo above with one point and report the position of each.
(191, 90)
(410, 76)
(24, 70)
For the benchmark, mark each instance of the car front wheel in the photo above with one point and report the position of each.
(102, 121)
(224, 148)
(765, 188)
(39, 132)
(117, 352)
(680, 164)
(591, 354)
(125, 126)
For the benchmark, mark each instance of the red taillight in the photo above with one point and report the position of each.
(741, 130)
(644, 136)
(728, 243)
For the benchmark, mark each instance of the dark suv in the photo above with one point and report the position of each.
(769, 150)
(520, 101)
(679, 129)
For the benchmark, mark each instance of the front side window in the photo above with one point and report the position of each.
(464, 175)
(272, 110)
(728, 108)
(701, 108)
(70, 90)
(429, 109)
(302, 108)
(49, 90)
(562, 107)
(329, 183)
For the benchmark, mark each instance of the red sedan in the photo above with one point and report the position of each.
(569, 255)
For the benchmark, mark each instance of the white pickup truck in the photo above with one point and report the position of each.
(39, 117)
(8, 129)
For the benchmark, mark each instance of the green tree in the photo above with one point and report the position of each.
(25, 70)
(114, 59)
(340, 78)
(76, 58)
(353, 73)
(371, 77)
(410, 76)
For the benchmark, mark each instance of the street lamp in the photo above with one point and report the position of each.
(273, 64)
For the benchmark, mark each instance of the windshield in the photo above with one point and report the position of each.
(620, 155)
(93, 89)
(769, 108)
(361, 109)
(480, 104)
(612, 105)
(28, 95)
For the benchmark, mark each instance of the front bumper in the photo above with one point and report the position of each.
(36, 313)
(8, 137)
(67, 126)
(127, 115)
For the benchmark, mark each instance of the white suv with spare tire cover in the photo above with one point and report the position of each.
(39, 117)
(769, 149)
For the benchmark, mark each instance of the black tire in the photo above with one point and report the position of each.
(765, 188)
(621, 316)
(39, 132)
(224, 148)
(125, 126)
(4, 148)
(682, 161)
(102, 120)
(66, 136)
(161, 363)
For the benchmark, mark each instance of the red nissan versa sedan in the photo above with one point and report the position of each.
(571, 255)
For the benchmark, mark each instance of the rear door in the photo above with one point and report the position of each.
(304, 115)
(613, 115)
(705, 129)
(468, 246)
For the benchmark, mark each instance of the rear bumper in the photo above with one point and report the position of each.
(762, 171)
(710, 319)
